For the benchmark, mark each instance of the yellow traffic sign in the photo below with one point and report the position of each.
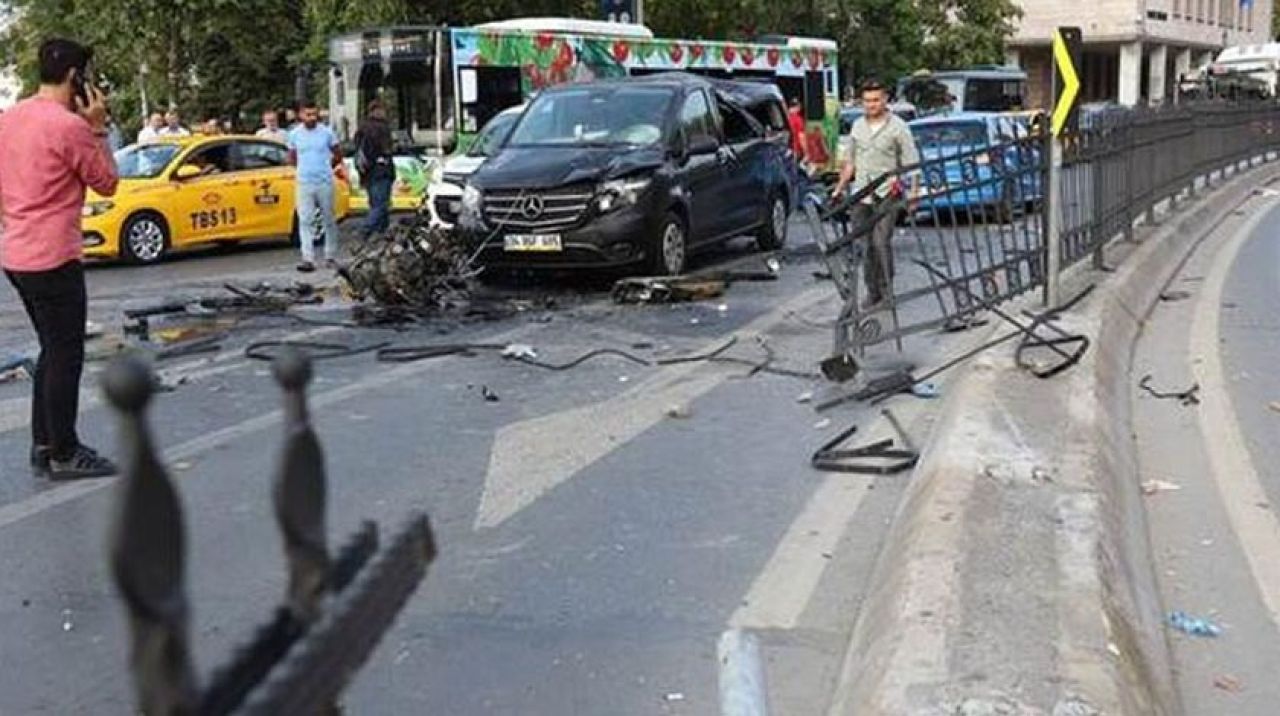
(1067, 42)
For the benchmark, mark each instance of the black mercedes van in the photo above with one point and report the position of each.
(637, 173)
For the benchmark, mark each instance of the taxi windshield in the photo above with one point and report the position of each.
(144, 161)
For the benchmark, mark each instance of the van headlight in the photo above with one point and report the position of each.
(96, 208)
(620, 193)
(472, 200)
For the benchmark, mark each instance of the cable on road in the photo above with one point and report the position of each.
(733, 340)
(268, 350)
(412, 354)
(583, 359)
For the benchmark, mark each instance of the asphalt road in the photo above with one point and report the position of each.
(1212, 467)
(593, 547)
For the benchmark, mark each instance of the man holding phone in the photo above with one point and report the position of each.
(52, 146)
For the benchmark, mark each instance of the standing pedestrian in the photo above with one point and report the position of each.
(173, 126)
(52, 146)
(154, 124)
(314, 150)
(880, 143)
(376, 167)
(115, 138)
(271, 127)
(795, 122)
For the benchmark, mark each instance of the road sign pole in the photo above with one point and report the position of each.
(1053, 224)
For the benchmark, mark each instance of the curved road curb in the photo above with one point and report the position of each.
(1017, 577)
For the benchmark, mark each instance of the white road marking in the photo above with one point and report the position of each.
(780, 593)
(742, 683)
(15, 413)
(532, 457)
(1233, 471)
(34, 505)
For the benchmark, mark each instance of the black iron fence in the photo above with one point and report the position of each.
(1124, 163)
(969, 221)
(336, 607)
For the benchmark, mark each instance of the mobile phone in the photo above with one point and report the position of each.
(80, 84)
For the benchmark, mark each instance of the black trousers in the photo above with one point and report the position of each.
(56, 303)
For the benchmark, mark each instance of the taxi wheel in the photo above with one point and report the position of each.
(144, 239)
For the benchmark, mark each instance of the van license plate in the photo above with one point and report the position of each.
(532, 242)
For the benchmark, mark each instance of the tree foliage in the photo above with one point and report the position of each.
(230, 58)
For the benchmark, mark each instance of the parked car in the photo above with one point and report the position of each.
(177, 192)
(444, 194)
(970, 162)
(634, 172)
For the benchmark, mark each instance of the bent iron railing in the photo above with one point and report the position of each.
(976, 235)
(335, 609)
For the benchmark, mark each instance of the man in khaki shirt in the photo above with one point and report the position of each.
(880, 143)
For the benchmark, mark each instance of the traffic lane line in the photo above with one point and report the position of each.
(1239, 484)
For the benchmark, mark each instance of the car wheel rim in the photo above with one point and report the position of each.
(673, 248)
(146, 240)
(779, 220)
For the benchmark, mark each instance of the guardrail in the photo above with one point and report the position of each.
(1125, 163)
(975, 234)
(336, 607)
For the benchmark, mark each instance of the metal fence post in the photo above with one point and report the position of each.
(1053, 220)
(147, 547)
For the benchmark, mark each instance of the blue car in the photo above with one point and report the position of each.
(972, 162)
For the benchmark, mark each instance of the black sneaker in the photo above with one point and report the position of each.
(83, 463)
(306, 267)
(40, 459)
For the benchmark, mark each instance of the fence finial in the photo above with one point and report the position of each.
(300, 491)
(147, 551)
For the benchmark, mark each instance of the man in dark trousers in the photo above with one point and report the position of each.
(880, 143)
(52, 146)
(377, 170)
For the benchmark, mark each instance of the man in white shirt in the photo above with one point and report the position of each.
(154, 124)
(173, 126)
(271, 128)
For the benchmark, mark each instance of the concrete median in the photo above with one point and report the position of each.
(1017, 576)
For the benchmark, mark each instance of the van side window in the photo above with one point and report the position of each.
(695, 117)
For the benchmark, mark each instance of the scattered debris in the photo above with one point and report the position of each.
(624, 378)
(1193, 626)
(877, 458)
(667, 289)
(822, 424)
(519, 351)
(67, 624)
(694, 321)
(1152, 487)
(895, 382)
(1227, 682)
(1041, 475)
(17, 367)
(1075, 706)
(805, 397)
(1190, 396)
(733, 340)
(1112, 649)
(1274, 406)
(488, 395)
(679, 412)
(926, 389)
(182, 466)
(413, 265)
(674, 696)
(1171, 296)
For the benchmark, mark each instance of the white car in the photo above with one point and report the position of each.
(444, 193)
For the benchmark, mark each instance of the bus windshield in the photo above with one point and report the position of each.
(602, 116)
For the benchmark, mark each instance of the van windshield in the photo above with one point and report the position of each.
(595, 116)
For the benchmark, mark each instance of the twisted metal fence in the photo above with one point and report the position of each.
(969, 221)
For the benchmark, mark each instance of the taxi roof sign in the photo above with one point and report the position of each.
(1067, 53)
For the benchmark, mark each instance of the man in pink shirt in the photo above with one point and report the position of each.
(52, 146)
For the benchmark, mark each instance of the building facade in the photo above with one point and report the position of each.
(1134, 50)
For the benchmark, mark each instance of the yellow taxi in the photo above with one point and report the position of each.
(178, 192)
